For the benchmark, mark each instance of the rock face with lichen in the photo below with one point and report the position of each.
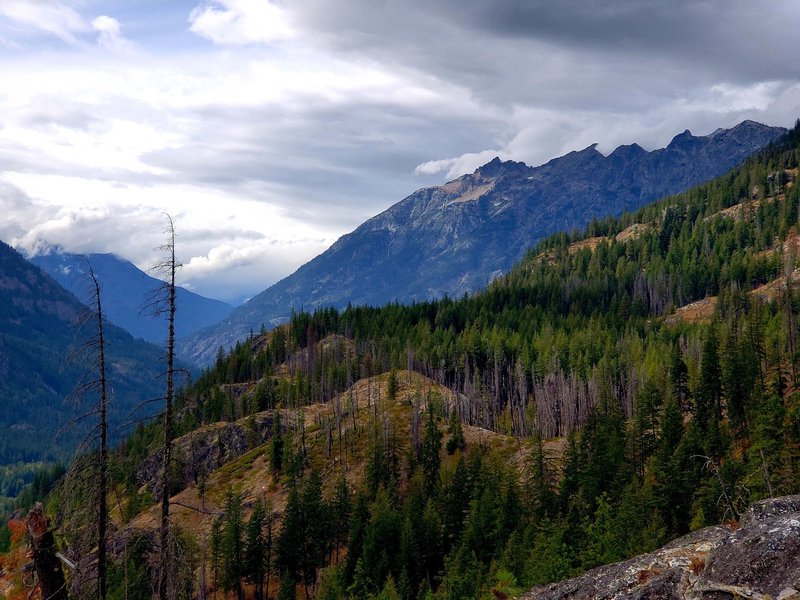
(206, 449)
(760, 560)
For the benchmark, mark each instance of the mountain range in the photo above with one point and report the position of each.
(455, 238)
(42, 328)
(127, 291)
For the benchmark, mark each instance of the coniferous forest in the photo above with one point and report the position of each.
(620, 387)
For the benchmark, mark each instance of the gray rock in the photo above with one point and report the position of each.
(759, 560)
(204, 450)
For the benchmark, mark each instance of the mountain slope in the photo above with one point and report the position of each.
(552, 423)
(39, 367)
(127, 291)
(456, 237)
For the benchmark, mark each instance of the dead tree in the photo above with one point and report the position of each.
(45, 559)
(83, 497)
(163, 304)
(102, 488)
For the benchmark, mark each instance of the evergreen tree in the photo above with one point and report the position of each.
(340, 507)
(276, 449)
(431, 458)
(233, 545)
(255, 549)
(456, 440)
(679, 376)
(710, 389)
(303, 542)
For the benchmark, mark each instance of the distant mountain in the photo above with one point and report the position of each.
(455, 238)
(127, 290)
(40, 333)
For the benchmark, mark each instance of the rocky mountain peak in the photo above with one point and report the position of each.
(496, 168)
(682, 139)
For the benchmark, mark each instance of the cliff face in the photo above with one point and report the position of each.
(206, 449)
(759, 560)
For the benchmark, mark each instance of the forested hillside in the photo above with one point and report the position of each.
(42, 331)
(455, 238)
(616, 389)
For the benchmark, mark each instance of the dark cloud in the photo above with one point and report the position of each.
(364, 93)
(358, 157)
(547, 52)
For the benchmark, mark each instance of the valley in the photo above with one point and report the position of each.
(617, 389)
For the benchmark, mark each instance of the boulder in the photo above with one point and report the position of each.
(760, 560)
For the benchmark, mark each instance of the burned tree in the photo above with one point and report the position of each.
(45, 558)
(163, 304)
(83, 493)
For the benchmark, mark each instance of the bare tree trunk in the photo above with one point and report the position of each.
(48, 567)
(170, 267)
(102, 492)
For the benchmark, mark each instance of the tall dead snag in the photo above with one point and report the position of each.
(43, 552)
(102, 487)
(164, 304)
(82, 514)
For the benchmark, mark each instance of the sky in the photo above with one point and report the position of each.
(269, 128)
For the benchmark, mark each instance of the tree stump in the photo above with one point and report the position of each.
(43, 553)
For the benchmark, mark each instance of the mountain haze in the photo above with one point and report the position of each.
(453, 239)
(40, 330)
(127, 291)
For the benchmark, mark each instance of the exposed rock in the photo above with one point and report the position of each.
(207, 449)
(759, 560)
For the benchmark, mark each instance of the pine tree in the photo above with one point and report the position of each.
(710, 388)
(456, 433)
(276, 449)
(255, 549)
(431, 458)
(233, 567)
(340, 507)
(679, 376)
(216, 551)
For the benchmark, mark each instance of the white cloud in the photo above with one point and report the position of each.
(240, 22)
(48, 16)
(110, 34)
(453, 167)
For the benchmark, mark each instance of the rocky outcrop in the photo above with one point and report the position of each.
(759, 560)
(207, 449)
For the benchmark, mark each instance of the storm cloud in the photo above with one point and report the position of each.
(269, 128)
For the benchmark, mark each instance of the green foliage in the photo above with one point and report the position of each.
(431, 458)
(5, 537)
(456, 441)
(303, 541)
(129, 579)
(232, 543)
(666, 425)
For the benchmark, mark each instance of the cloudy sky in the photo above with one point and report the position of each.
(268, 128)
